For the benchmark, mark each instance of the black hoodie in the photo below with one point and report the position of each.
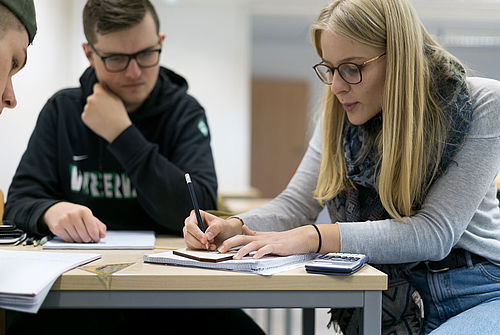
(134, 183)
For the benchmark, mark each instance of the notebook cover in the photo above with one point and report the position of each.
(204, 255)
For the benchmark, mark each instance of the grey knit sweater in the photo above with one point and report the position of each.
(461, 209)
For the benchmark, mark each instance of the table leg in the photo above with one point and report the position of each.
(372, 313)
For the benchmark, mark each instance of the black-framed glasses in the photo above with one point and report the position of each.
(119, 62)
(349, 72)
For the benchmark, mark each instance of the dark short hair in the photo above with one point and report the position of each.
(107, 16)
(8, 21)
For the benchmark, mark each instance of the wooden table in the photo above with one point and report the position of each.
(144, 285)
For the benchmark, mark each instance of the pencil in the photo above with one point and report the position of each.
(195, 202)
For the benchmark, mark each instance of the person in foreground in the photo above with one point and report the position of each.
(404, 159)
(112, 153)
(17, 30)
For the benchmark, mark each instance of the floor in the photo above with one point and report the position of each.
(279, 326)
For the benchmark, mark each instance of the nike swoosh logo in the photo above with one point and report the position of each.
(80, 157)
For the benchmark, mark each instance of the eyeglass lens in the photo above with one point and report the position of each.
(349, 72)
(146, 58)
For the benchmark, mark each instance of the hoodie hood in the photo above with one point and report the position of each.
(169, 85)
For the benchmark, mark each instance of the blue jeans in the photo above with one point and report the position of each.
(461, 301)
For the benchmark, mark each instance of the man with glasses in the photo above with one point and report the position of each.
(112, 153)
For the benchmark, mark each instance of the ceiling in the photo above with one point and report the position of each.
(287, 22)
(451, 22)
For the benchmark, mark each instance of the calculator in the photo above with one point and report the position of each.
(335, 263)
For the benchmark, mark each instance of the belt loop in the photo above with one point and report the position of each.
(468, 259)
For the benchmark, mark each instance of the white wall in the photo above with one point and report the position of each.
(208, 44)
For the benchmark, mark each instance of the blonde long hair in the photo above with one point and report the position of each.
(414, 128)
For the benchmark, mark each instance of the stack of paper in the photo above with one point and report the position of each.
(27, 276)
(117, 239)
(266, 265)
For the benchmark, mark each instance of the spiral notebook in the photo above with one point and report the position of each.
(266, 265)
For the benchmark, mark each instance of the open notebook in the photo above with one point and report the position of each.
(115, 239)
(267, 265)
(27, 276)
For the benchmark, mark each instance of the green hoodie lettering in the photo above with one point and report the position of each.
(109, 185)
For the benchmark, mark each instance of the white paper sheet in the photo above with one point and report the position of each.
(117, 239)
(27, 276)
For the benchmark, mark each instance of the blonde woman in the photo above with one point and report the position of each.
(405, 160)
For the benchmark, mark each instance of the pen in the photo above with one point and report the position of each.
(195, 202)
(44, 240)
(28, 241)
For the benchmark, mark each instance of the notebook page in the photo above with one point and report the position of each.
(115, 239)
(25, 275)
